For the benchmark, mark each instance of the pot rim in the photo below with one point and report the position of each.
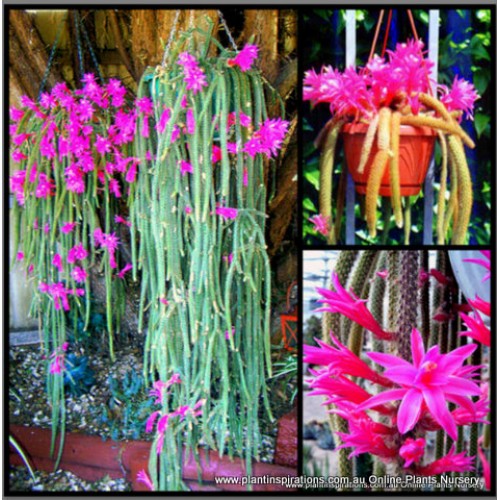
(361, 128)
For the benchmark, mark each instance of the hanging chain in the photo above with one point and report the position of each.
(78, 43)
(52, 54)
(226, 29)
(171, 37)
(91, 50)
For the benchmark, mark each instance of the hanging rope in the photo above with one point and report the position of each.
(226, 29)
(170, 38)
(91, 50)
(386, 37)
(51, 56)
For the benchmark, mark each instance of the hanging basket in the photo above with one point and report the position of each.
(415, 150)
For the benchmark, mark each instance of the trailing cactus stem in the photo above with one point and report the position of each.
(424, 296)
(376, 302)
(465, 196)
(326, 165)
(440, 226)
(436, 105)
(372, 189)
(394, 169)
(368, 143)
(384, 129)
(407, 220)
(438, 124)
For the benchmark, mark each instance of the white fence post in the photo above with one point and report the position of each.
(350, 60)
(433, 45)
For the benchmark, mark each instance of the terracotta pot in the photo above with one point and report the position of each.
(416, 145)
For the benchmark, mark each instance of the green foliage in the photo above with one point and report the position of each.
(129, 406)
(285, 372)
(78, 376)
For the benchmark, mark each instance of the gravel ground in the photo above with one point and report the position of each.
(60, 480)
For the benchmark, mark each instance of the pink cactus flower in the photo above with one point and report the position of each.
(20, 255)
(79, 274)
(412, 451)
(126, 269)
(481, 305)
(227, 213)
(340, 360)
(142, 477)
(347, 304)
(68, 227)
(477, 329)
(485, 463)
(194, 76)
(484, 263)
(120, 220)
(78, 252)
(321, 224)
(452, 462)
(216, 154)
(366, 436)
(245, 58)
(185, 167)
(460, 96)
(428, 382)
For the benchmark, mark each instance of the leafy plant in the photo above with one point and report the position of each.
(78, 376)
(285, 371)
(129, 406)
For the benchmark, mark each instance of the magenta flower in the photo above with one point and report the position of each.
(188, 210)
(164, 119)
(245, 120)
(366, 436)
(485, 463)
(57, 364)
(125, 270)
(229, 334)
(216, 154)
(481, 305)
(228, 258)
(341, 361)
(190, 122)
(460, 96)
(383, 274)
(68, 227)
(452, 462)
(120, 220)
(194, 76)
(347, 304)
(142, 477)
(245, 58)
(432, 378)
(114, 187)
(20, 255)
(245, 176)
(117, 92)
(477, 329)
(79, 274)
(412, 451)
(227, 213)
(484, 263)
(321, 224)
(185, 167)
(267, 139)
(78, 252)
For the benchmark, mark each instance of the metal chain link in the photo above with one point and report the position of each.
(78, 43)
(91, 50)
(171, 37)
(226, 29)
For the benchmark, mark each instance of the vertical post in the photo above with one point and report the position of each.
(433, 44)
(350, 60)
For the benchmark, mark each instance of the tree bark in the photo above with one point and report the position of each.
(30, 41)
(16, 90)
(143, 31)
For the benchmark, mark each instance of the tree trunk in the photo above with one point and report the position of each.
(143, 31)
(29, 39)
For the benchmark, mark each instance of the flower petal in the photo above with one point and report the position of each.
(417, 346)
(409, 411)
(438, 408)
(383, 397)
